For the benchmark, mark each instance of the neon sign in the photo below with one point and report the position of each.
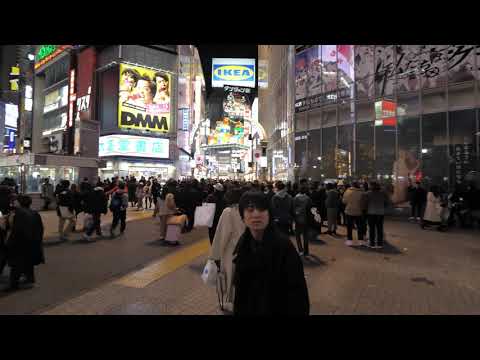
(48, 53)
(44, 51)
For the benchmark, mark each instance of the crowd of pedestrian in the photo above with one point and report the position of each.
(260, 269)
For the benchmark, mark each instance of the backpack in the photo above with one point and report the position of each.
(116, 203)
(283, 208)
(301, 205)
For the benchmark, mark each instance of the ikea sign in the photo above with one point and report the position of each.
(236, 72)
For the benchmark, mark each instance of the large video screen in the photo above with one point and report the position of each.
(144, 99)
(235, 72)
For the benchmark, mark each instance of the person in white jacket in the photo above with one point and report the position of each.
(229, 230)
(433, 208)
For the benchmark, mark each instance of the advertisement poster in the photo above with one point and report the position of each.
(314, 71)
(237, 107)
(144, 99)
(345, 62)
(329, 61)
(301, 75)
(237, 102)
(263, 74)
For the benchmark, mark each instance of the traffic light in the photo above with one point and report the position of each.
(14, 78)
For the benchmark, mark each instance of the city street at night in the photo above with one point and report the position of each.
(240, 179)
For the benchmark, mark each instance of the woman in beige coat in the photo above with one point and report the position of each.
(229, 229)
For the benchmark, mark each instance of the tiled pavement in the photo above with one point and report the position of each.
(419, 272)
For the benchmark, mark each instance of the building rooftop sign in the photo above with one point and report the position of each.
(47, 53)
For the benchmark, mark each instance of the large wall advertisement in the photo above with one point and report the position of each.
(144, 99)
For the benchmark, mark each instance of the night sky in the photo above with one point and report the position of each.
(209, 51)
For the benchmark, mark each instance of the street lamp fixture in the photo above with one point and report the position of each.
(424, 151)
(319, 158)
(31, 57)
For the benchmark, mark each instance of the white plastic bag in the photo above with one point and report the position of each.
(204, 215)
(209, 275)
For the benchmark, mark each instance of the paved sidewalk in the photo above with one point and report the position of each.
(419, 272)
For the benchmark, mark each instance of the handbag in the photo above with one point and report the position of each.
(210, 272)
(204, 215)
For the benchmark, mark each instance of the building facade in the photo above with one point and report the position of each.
(276, 108)
(385, 112)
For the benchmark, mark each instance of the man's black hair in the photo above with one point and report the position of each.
(280, 185)
(24, 200)
(233, 196)
(253, 198)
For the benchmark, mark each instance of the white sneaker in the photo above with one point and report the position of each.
(411, 218)
(349, 243)
(418, 219)
(362, 243)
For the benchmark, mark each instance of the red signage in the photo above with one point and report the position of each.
(86, 64)
(72, 97)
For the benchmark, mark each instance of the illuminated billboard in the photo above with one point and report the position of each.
(128, 145)
(237, 102)
(235, 72)
(144, 101)
(237, 107)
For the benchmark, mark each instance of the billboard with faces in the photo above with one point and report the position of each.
(144, 101)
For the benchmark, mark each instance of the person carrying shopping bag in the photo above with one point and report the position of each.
(229, 230)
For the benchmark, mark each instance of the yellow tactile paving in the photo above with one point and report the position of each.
(155, 271)
(50, 221)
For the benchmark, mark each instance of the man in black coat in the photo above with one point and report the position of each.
(132, 188)
(5, 207)
(96, 205)
(25, 243)
(269, 277)
(217, 197)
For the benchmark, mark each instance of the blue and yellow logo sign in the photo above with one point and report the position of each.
(229, 72)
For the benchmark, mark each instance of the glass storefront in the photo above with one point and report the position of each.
(36, 174)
